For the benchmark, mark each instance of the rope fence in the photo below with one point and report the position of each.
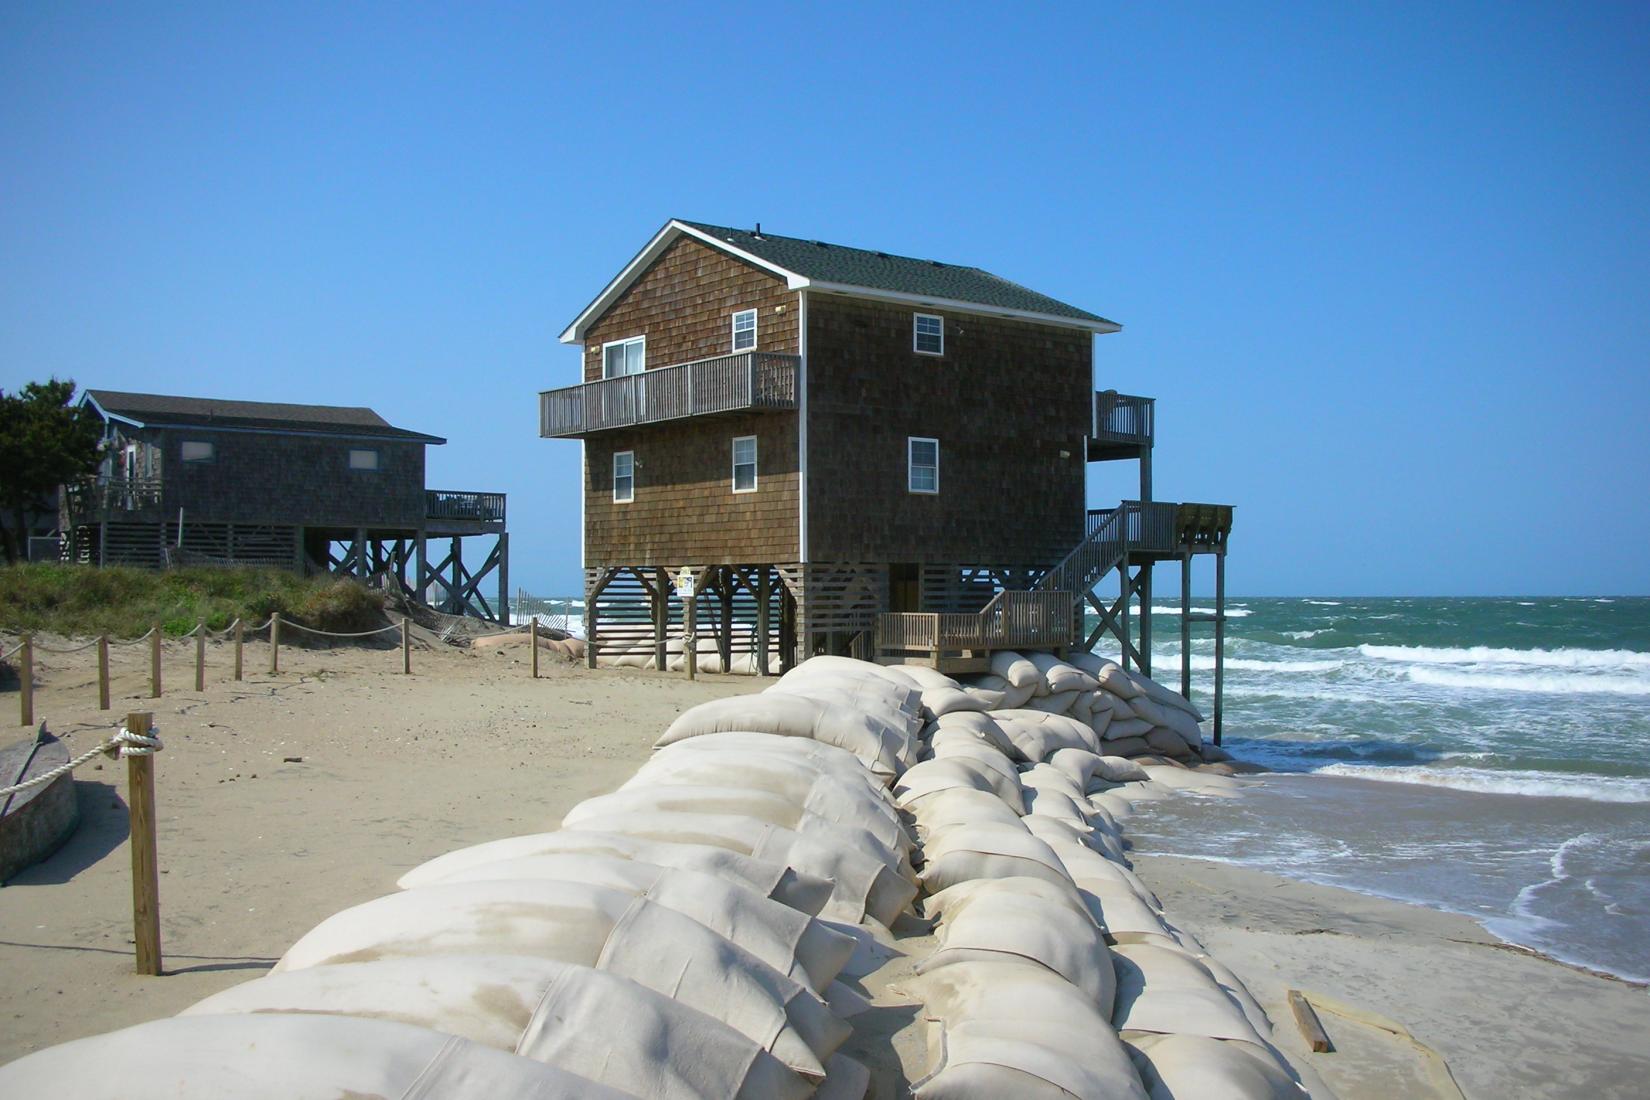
(136, 742)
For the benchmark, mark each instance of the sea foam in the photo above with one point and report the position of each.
(1539, 683)
(1534, 784)
(1480, 655)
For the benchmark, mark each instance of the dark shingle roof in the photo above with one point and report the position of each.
(158, 410)
(832, 263)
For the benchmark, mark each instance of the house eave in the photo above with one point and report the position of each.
(952, 305)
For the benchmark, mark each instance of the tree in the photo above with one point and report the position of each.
(44, 442)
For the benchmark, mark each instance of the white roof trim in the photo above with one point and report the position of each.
(952, 305)
(88, 399)
(674, 229)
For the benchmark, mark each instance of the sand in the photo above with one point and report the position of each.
(256, 849)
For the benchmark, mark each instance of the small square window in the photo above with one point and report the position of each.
(922, 465)
(624, 477)
(744, 330)
(363, 459)
(927, 334)
(623, 357)
(195, 450)
(744, 464)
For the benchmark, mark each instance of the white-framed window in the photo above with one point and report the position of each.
(623, 357)
(927, 334)
(198, 450)
(922, 464)
(744, 464)
(363, 458)
(744, 330)
(624, 477)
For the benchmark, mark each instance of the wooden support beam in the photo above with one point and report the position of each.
(502, 551)
(763, 592)
(200, 656)
(103, 672)
(1186, 625)
(26, 680)
(140, 801)
(1310, 1026)
(1220, 642)
(1125, 635)
(724, 625)
(659, 589)
(1144, 587)
(154, 663)
(240, 643)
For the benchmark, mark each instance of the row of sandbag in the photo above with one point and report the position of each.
(680, 937)
(1056, 973)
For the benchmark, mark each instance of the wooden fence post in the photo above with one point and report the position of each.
(240, 638)
(103, 672)
(26, 680)
(690, 642)
(140, 777)
(275, 643)
(154, 662)
(200, 656)
(406, 648)
(533, 637)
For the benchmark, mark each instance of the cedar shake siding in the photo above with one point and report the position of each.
(684, 510)
(684, 304)
(1004, 400)
(257, 477)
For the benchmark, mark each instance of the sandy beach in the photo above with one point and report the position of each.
(257, 847)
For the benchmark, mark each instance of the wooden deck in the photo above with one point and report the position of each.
(705, 387)
(964, 643)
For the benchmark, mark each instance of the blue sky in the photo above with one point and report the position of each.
(1385, 269)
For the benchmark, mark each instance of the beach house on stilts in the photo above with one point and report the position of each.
(832, 449)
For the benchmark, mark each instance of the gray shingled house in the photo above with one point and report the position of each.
(315, 487)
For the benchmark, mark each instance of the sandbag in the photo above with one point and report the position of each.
(997, 693)
(856, 801)
(953, 900)
(987, 851)
(1169, 743)
(959, 807)
(982, 726)
(827, 759)
(1052, 703)
(1038, 735)
(1016, 670)
(878, 746)
(1059, 831)
(1165, 696)
(552, 1012)
(591, 926)
(807, 950)
(1020, 993)
(1112, 677)
(286, 1057)
(957, 744)
(1061, 676)
(1199, 782)
(863, 884)
(1168, 991)
(1084, 766)
(932, 776)
(803, 892)
(996, 1059)
(1174, 1066)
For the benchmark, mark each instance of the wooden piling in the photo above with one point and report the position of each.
(1220, 642)
(240, 641)
(140, 778)
(275, 643)
(406, 648)
(103, 672)
(1311, 1027)
(1186, 625)
(533, 637)
(690, 643)
(26, 680)
(154, 662)
(200, 656)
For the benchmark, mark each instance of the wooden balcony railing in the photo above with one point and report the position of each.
(1121, 418)
(1012, 620)
(122, 497)
(450, 504)
(726, 383)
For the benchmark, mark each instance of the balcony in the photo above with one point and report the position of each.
(113, 498)
(449, 512)
(1123, 424)
(751, 380)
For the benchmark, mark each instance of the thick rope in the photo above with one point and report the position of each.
(332, 634)
(123, 744)
(74, 649)
(11, 652)
(144, 637)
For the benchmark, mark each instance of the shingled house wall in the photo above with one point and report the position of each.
(685, 510)
(1004, 400)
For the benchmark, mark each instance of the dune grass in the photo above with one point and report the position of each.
(124, 602)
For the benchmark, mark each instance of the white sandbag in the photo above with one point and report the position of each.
(1025, 995)
(987, 851)
(1165, 696)
(983, 726)
(847, 801)
(997, 1059)
(1048, 804)
(877, 746)
(932, 776)
(1055, 831)
(805, 893)
(1185, 725)
(1122, 729)
(1100, 715)
(591, 926)
(863, 884)
(1174, 1066)
(958, 744)
(1055, 703)
(1159, 989)
(808, 950)
(1084, 766)
(1112, 876)
(285, 1057)
(1112, 677)
(960, 806)
(853, 666)
(845, 1079)
(1169, 743)
(1199, 782)
(938, 701)
(1090, 663)
(1038, 735)
(1016, 670)
(1144, 706)
(996, 692)
(868, 690)
(1045, 776)
(828, 759)
(1126, 747)
(955, 899)
(871, 833)
(556, 1013)
(1061, 676)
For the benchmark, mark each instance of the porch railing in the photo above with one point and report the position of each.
(452, 504)
(113, 495)
(1012, 620)
(1123, 418)
(725, 383)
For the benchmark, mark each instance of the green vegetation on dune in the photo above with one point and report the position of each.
(124, 602)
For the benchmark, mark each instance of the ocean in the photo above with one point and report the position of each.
(1485, 756)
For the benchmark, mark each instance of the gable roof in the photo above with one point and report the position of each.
(830, 268)
(153, 410)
